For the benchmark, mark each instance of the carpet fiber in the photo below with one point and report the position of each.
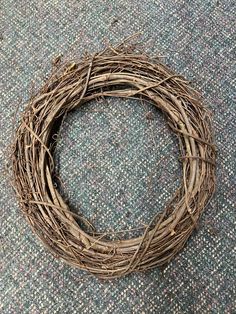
(117, 166)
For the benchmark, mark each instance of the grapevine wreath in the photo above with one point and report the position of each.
(119, 72)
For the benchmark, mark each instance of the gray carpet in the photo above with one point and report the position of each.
(117, 166)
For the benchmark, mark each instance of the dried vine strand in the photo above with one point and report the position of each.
(117, 72)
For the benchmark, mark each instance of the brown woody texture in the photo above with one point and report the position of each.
(118, 71)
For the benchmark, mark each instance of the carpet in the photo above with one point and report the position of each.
(118, 167)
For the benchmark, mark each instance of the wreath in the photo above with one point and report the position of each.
(118, 72)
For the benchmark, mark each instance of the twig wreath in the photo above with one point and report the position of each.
(119, 72)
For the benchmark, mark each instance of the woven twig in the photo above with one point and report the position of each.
(115, 72)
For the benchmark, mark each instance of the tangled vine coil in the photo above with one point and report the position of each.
(118, 72)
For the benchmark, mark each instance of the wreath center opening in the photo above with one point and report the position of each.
(118, 164)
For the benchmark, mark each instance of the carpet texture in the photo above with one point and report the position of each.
(117, 166)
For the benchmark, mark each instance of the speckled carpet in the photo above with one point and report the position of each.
(117, 166)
